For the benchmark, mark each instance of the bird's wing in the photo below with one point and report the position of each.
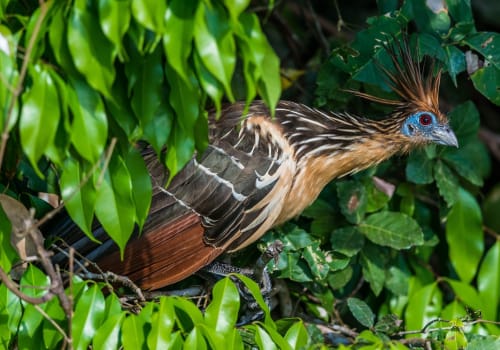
(223, 200)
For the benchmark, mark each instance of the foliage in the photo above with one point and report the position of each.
(102, 75)
(399, 251)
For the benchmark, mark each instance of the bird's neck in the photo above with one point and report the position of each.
(331, 146)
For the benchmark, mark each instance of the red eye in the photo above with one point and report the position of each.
(425, 119)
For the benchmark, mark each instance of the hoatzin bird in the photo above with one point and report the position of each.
(259, 171)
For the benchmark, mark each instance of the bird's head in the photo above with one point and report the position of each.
(416, 115)
(424, 127)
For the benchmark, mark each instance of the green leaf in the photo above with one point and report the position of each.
(388, 324)
(276, 338)
(488, 281)
(52, 336)
(222, 313)
(419, 168)
(210, 84)
(352, 200)
(484, 343)
(88, 316)
(470, 161)
(236, 7)
(297, 336)
(39, 115)
(115, 208)
(162, 324)
(180, 150)
(90, 127)
(215, 44)
(150, 13)
(487, 44)
(146, 77)
(464, 235)
(34, 283)
(455, 62)
(108, 334)
(262, 339)
(195, 340)
(361, 311)
(92, 53)
(486, 80)
(7, 252)
(187, 314)
(446, 181)
(132, 335)
(141, 185)
(373, 264)
(392, 229)
(261, 65)
(256, 294)
(424, 305)
(347, 240)
(179, 21)
(79, 197)
(317, 261)
(467, 295)
(114, 17)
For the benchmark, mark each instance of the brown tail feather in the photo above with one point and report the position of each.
(167, 254)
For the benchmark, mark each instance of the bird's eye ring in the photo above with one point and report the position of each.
(425, 119)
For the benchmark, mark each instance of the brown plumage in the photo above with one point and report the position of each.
(259, 172)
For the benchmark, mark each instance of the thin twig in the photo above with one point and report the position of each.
(22, 75)
(107, 158)
(52, 322)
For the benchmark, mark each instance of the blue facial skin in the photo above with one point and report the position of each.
(425, 125)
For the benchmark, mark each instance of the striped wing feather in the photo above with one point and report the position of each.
(224, 200)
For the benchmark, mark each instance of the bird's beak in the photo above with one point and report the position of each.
(443, 135)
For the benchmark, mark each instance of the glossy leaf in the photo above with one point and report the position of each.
(464, 235)
(141, 185)
(392, 229)
(52, 336)
(297, 336)
(115, 208)
(179, 21)
(467, 294)
(150, 14)
(187, 314)
(32, 318)
(39, 115)
(162, 324)
(488, 281)
(263, 340)
(88, 316)
(89, 129)
(114, 17)
(79, 196)
(180, 151)
(222, 312)
(424, 305)
(255, 291)
(7, 252)
(108, 334)
(146, 78)
(92, 53)
(195, 340)
(132, 335)
(215, 44)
